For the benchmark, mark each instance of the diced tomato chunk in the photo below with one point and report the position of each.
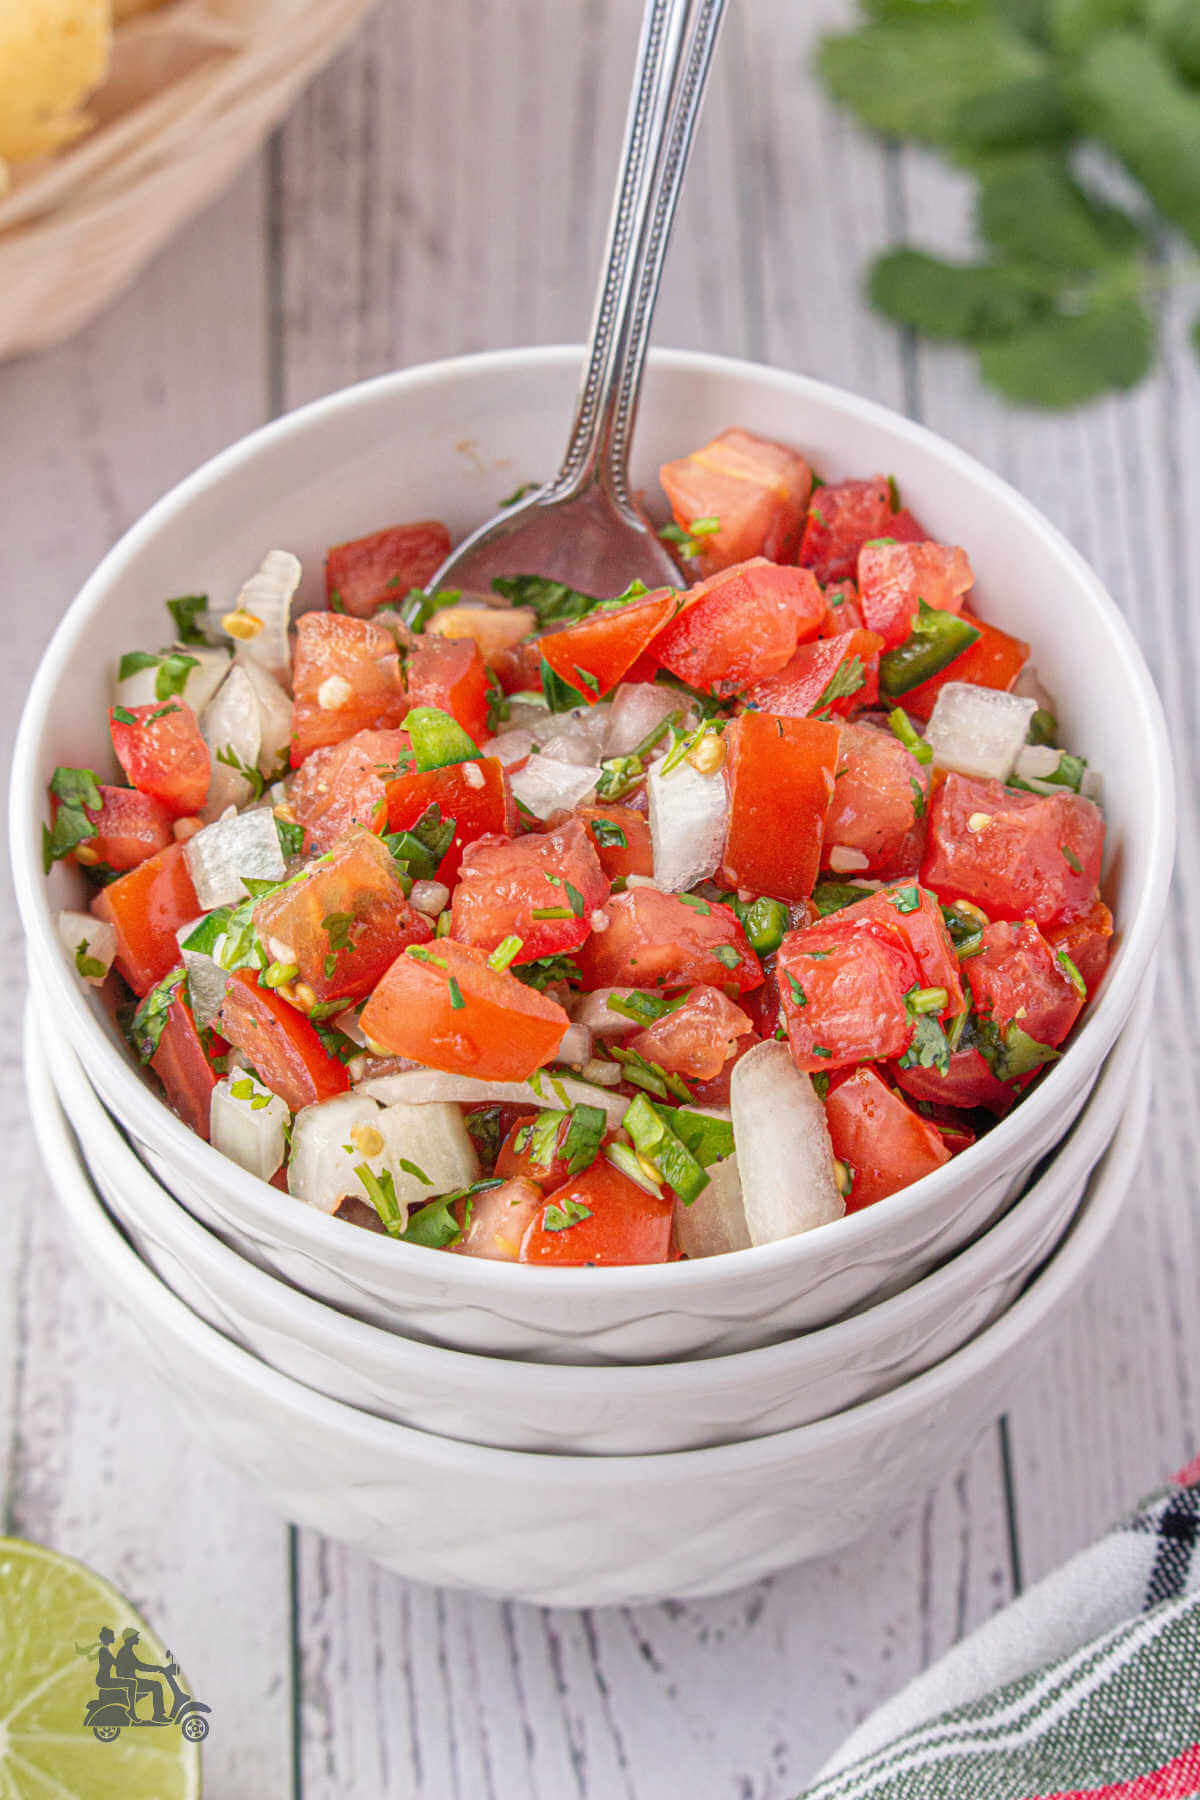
(607, 826)
(757, 489)
(884, 1144)
(182, 1065)
(345, 919)
(345, 784)
(741, 625)
(147, 906)
(497, 629)
(842, 609)
(475, 795)
(841, 517)
(836, 675)
(504, 884)
(915, 913)
(162, 752)
(893, 578)
(968, 1082)
(280, 1043)
(842, 991)
(876, 820)
(600, 1218)
(656, 940)
(499, 1219)
(1017, 855)
(346, 678)
(519, 670)
(441, 1005)
(994, 660)
(596, 654)
(1017, 979)
(905, 529)
(129, 828)
(379, 569)
(517, 1153)
(698, 1038)
(780, 774)
(1087, 940)
(449, 673)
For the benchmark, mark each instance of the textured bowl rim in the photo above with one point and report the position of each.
(156, 1306)
(475, 1277)
(626, 1380)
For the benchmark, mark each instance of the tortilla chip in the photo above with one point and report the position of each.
(52, 54)
(128, 9)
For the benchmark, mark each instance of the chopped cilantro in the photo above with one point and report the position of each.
(184, 611)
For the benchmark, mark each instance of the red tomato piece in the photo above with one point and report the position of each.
(757, 489)
(841, 517)
(345, 920)
(967, 1083)
(892, 578)
(475, 795)
(147, 906)
(915, 913)
(843, 612)
(698, 1038)
(281, 1044)
(449, 673)
(499, 1219)
(596, 654)
(162, 752)
(377, 570)
(842, 991)
(994, 660)
(606, 1219)
(905, 529)
(346, 679)
(741, 625)
(1017, 979)
(183, 1067)
(441, 1005)
(1017, 855)
(606, 825)
(505, 883)
(516, 1154)
(876, 819)
(884, 1144)
(345, 784)
(656, 940)
(836, 675)
(1087, 940)
(129, 828)
(780, 774)
(519, 670)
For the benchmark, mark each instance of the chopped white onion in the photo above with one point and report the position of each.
(1037, 762)
(546, 785)
(426, 1150)
(576, 1047)
(1030, 686)
(268, 596)
(422, 1087)
(200, 683)
(207, 980)
(593, 1011)
(511, 746)
(430, 897)
(249, 1126)
(90, 940)
(715, 1222)
(578, 736)
(530, 715)
(637, 707)
(689, 813)
(220, 855)
(274, 716)
(604, 1074)
(978, 731)
(231, 726)
(783, 1148)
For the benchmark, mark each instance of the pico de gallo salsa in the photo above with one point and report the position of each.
(545, 927)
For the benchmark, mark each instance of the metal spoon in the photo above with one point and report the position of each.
(584, 527)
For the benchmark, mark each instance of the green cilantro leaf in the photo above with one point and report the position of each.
(1140, 108)
(966, 302)
(560, 1216)
(184, 610)
(150, 1016)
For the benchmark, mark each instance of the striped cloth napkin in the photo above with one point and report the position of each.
(1086, 1688)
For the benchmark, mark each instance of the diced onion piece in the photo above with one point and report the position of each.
(231, 726)
(715, 1222)
(605, 1074)
(426, 1150)
(274, 716)
(422, 1087)
(576, 1046)
(249, 1126)
(200, 683)
(220, 855)
(1037, 762)
(268, 596)
(978, 731)
(637, 707)
(547, 785)
(430, 897)
(600, 1018)
(577, 736)
(511, 746)
(784, 1154)
(689, 814)
(88, 941)
(207, 980)
(1029, 685)
(530, 714)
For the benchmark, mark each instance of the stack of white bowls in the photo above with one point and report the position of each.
(592, 1435)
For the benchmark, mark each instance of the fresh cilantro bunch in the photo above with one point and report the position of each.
(1010, 90)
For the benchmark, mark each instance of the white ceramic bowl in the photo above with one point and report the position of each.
(619, 1409)
(448, 439)
(575, 1530)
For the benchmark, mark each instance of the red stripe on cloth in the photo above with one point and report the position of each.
(1187, 1476)
(1177, 1780)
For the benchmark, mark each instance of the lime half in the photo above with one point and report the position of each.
(52, 1611)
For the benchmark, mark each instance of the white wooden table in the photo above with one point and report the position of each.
(444, 188)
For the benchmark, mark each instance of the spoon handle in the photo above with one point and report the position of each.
(669, 82)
